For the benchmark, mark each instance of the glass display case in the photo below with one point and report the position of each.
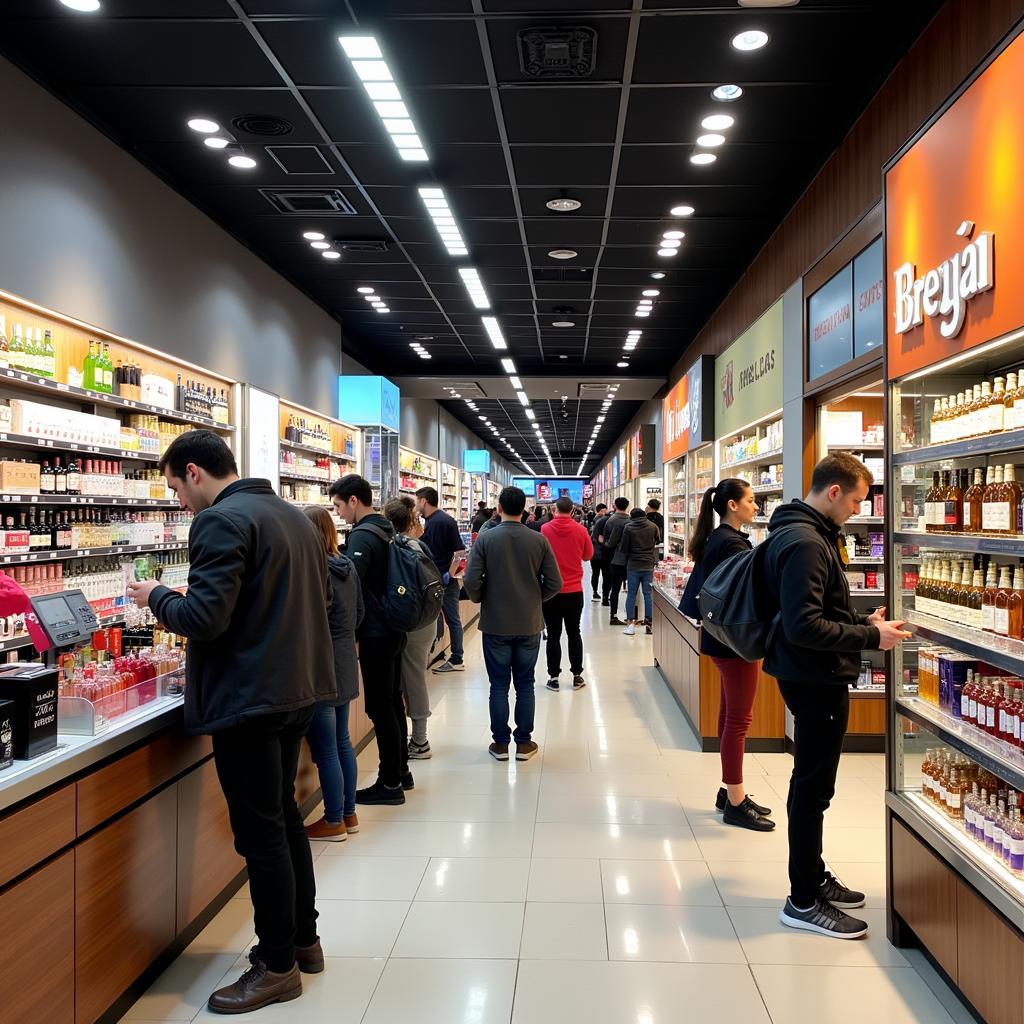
(450, 492)
(754, 454)
(675, 507)
(957, 579)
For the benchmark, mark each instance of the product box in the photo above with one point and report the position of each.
(879, 500)
(876, 545)
(855, 579)
(6, 733)
(157, 390)
(953, 668)
(5, 417)
(33, 690)
(19, 477)
(14, 542)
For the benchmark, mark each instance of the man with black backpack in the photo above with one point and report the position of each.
(380, 644)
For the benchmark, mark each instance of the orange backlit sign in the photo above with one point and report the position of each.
(954, 224)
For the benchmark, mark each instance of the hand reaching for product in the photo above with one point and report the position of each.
(139, 591)
(889, 633)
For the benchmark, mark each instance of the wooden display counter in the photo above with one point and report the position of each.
(693, 680)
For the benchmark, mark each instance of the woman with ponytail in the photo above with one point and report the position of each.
(733, 501)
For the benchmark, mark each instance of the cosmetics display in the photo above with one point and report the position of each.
(416, 470)
(449, 493)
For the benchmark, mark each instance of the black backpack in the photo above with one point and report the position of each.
(732, 603)
(413, 592)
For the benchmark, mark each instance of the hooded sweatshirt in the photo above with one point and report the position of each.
(572, 546)
(639, 544)
(820, 635)
(345, 615)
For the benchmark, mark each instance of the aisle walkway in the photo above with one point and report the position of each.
(590, 884)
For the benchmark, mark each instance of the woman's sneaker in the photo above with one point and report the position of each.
(838, 895)
(419, 751)
(630, 630)
(824, 919)
(552, 684)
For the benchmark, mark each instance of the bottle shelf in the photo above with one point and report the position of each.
(287, 474)
(855, 448)
(866, 561)
(767, 488)
(45, 444)
(754, 460)
(66, 554)
(987, 444)
(415, 473)
(999, 651)
(78, 500)
(45, 385)
(310, 450)
(866, 520)
(968, 542)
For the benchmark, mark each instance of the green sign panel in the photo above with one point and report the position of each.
(748, 374)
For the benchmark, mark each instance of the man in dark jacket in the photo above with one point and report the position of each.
(481, 517)
(815, 655)
(654, 514)
(598, 566)
(639, 547)
(380, 647)
(259, 657)
(615, 560)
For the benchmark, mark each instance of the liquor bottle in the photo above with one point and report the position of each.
(1011, 494)
(74, 477)
(31, 351)
(107, 366)
(89, 368)
(973, 497)
(997, 407)
(1015, 843)
(15, 353)
(1001, 621)
(942, 591)
(973, 616)
(995, 517)
(952, 499)
(932, 517)
(968, 699)
(47, 485)
(966, 593)
(954, 795)
(179, 396)
(60, 478)
(1016, 606)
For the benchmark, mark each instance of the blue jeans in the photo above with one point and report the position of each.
(639, 578)
(335, 760)
(511, 658)
(450, 614)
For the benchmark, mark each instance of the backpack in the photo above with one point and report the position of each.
(413, 592)
(732, 604)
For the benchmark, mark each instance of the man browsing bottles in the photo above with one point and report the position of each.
(259, 658)
(815, 655)
(441, 535)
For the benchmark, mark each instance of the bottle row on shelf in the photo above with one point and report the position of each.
(82, 529)
(761, 442)
(992, 505)
(985, 408)
(312, 435)
(100, 478)
(986, 596)
(305, 493)
(318, 467)
(988, 810)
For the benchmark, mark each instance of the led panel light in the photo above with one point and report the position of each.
(494, 332)
(668, 252)
(365, 289)
(516, 383)
(675, 236)
(437, 207)
(331, 254)
(523, 400)
(530, 414)
(717, 122)
(320, 245)
(711, 140)
(317, 236)
(475, 287)
(508, 366)
(203, 125)
(651, 291)
(752, 39)
(216, 142)
(244, 162)
(702, 159)
(726, 93)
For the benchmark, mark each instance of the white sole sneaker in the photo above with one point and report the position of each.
(807, 926)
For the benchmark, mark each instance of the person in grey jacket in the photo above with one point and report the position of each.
(259, 659)
(639, 550)
(615, 560)
(328, 735)
(512, 571)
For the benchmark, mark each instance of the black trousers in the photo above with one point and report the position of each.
(615, 578)
(380, 660)
(564, 609)
(597, 569)
(256, 763)
(820, 714)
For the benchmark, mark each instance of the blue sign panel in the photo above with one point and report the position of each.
(476, 460)
(368, 401)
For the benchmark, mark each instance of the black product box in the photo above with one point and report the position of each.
(33, 690)
(6, 734)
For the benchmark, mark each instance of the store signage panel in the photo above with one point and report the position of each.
(954, 224)
(262, 442)
(476, 460)
(830, 324)
(643, 450)
(368, 401)
(868, 300)
(686, 411)
(748, 374)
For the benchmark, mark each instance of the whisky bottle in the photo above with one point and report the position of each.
(952, 501)
(1001, 613)
(1016, 606)
(973, 497)
(995, 512)
(1011, 495)
(974, 602)
(997, 407)
(988, 601)
(932, 516)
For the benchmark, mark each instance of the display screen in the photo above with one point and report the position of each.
(55, 612)
(476, 460)
(543, 489)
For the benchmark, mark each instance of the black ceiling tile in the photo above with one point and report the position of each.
(348, 117)
(564, 293)
(552, 115)
(594, 201)
(450, 165)
(454, 115)
(112, 9)
(585, 257)
(564, 232)
(562, 166)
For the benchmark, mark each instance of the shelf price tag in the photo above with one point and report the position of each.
(63, 387)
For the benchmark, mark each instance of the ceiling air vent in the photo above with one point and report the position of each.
(262, 124)
(362, 244)
(467, 389)
(554, 52)
(300, 202)
(592, 391)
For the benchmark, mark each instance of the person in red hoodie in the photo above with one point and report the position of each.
(572, 546)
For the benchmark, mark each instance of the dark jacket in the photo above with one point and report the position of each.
(345, 615)
(512, 570)
(537, 523)
(612, 535)
(723, 543)
(369, 553)
(478, 520)
(639, 544)
(659, 521)
(820, 636)
(255, 611)
(595, 531)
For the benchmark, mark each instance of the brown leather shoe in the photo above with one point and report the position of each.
(351, 823)
(327, 832)
(256, 988)
(499, 751)
(310, 959)
(524, 751)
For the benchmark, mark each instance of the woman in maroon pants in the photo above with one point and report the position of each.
(733, 501)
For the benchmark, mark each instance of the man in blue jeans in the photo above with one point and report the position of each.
(512, 571)
(441, 534)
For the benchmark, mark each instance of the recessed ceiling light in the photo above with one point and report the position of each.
(672, 235)
(668, 252)
(752, 39)
(703, 158)
(437, 206)
(651, 291)
(530, 414)
(475, 287)
(384, 310)
(670, 243)
(563, 323)
(365, 289)
(508, 366)
(563, 205)
(378, 303)
(320, 245)
(516, 383)
(710, 140)
(244, 162)
(201, 124)
(681, 211)
(563, 254)
(426, 355)
(331, 254)
(82, 6)
(360, 47)
(523, 400)
(318, 236)
(563, 357)
(643, 312)
(658, 275)
(622, 365)
(416, 344)
(767, 3)
(216, 142)
(718, 122)
(494, 332)
(726, 93)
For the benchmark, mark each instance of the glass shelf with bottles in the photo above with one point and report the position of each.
(415, 470)
(675, 511)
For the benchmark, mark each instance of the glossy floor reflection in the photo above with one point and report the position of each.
(594, 883)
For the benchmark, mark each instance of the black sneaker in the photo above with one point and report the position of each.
(552, 684)
(648, 626)
(616, 621)
(745, 816)
(378, 793)
(838, 895)
(596, 597)
(420, 751)
(723, 796)
(578, 682)
(605, 604)
(408, 782)
(824, 919)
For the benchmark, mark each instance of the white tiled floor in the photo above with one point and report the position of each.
(594, 883)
